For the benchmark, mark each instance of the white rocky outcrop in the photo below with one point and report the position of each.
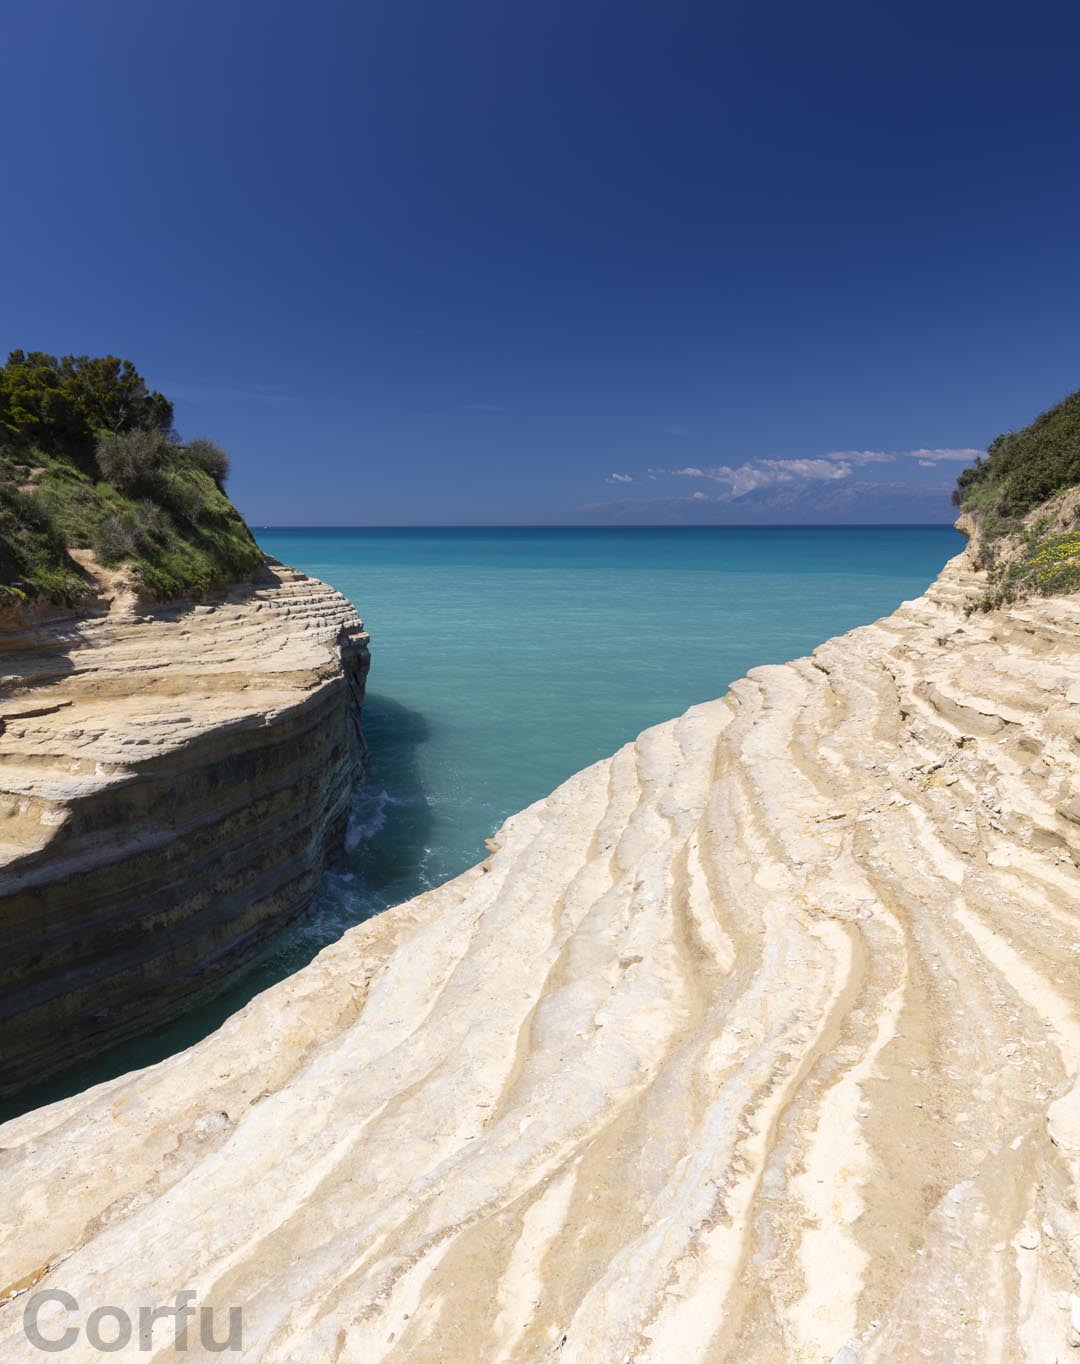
(757, 1042)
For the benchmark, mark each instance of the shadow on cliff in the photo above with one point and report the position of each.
(387, 841)
(381, 864)
(38, 643)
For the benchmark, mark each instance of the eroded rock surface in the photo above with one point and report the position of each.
(170, 782)
(757, 1042)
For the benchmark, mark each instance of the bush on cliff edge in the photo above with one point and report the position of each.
(89, 460)
(1022, 503)
(1025, 468)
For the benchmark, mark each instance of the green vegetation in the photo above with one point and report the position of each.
(1043, 567)
(58, 406)
(1027, 554)
(33, 557)
(88, 460)
(1024, 468)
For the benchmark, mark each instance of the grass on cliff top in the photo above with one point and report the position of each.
(89, 460)
(1027, 553)
(1046, 567)
(1025, 468)
(179, 535)
(33, 556)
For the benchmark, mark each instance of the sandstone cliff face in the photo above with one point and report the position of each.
(170, 783)
(757, 1042)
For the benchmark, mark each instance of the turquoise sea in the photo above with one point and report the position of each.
(505, 660)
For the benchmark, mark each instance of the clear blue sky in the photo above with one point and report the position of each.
(466, 262)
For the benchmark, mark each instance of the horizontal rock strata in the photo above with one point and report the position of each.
(170, 783)
(757, 1042)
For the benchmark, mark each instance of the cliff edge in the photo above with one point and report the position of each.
(171, 780)
(757, 1041)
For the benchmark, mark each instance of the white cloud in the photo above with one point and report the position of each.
(835, 465)
(858, 458)
(966, 456)
(745, 478)
(807, 468)
(620, 478)
(861, 457)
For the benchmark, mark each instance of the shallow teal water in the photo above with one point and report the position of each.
(505, 660)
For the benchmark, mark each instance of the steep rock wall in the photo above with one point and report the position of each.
(171, 781)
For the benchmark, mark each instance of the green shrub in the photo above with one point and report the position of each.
(144, 463)
(112, 541)
(111, 476)
(133, 461)
(1049, 566)
(184, 492)
(56, 405)
(211, 458)
(155, 525)
(33, 554)
(142, 533)
(1024, 468)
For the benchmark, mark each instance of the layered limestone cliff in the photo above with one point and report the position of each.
(171, 780)
(757, 1042)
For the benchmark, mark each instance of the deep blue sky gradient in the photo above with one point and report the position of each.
(442, 263)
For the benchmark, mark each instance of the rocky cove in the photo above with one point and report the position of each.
(756, 1041)
(669, 954)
